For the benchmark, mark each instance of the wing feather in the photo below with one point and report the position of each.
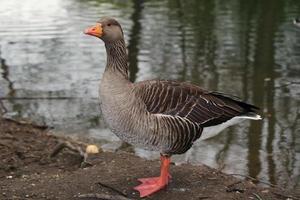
(190, 102)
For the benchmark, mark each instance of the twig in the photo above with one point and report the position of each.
(67, 144)
(103, 196)
(257, 196)
(205, 197)
(286, 196)
(270, 184)
(111, 188)
(3, 109)
(5, 145)
(232, 184)
(220, 169)
(235, 190)
(22, 122)
(256, 180)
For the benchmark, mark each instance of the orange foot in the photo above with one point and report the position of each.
(154, 184)
(151, 185)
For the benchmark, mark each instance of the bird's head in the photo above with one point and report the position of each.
(107, 29)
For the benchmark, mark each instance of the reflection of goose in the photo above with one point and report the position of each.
(165, 116)
(297, 22)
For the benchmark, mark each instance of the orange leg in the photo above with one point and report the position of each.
(154, 184)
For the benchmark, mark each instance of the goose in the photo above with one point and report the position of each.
(159, 115)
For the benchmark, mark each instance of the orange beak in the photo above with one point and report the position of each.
(96, 30)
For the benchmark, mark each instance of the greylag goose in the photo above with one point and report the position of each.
(160, 115)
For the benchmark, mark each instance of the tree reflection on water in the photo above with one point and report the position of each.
(50, 71)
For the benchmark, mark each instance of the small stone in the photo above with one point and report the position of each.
(92, 149)
(9, 177)
(25, 176)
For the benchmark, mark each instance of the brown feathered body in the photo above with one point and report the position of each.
(161, 115)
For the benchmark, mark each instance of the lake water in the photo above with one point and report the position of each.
(50, 71)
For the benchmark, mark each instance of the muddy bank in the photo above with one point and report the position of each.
(27, 171)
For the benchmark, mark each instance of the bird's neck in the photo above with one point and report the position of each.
(117, 58)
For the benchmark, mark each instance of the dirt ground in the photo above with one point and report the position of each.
(33, 167)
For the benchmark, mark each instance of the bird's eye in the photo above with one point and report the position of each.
(108, 24)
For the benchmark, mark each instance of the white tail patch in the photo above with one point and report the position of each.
(211, 131)
(252, 116)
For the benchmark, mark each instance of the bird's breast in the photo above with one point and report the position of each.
(119, 109)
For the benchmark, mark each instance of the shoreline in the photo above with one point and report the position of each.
(31, 169)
